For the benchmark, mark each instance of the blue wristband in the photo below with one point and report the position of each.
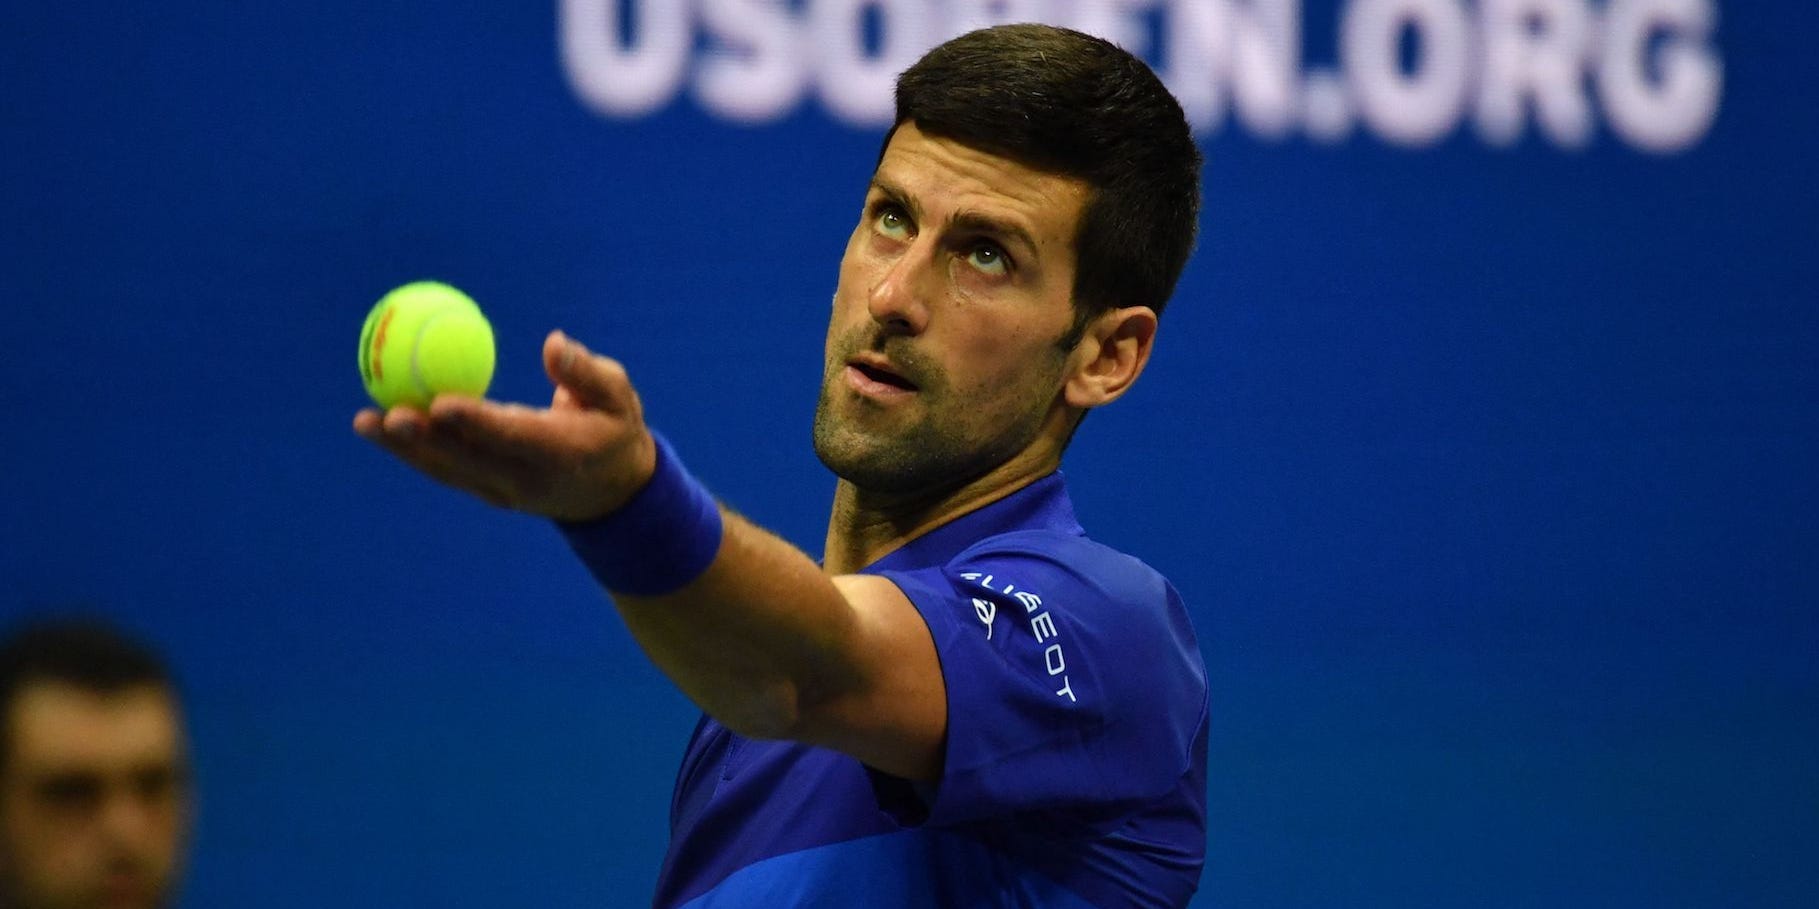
(659, 541)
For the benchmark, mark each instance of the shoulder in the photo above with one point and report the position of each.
(1072, 562)
(1088, 582)
(1109, 625)
(1072, 673)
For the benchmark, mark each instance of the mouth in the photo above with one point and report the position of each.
(885, 376)
(874, 379)
(126, 890)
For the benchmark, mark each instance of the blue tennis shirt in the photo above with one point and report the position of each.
(1075, 771)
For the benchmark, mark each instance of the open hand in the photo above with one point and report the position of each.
(584, 456)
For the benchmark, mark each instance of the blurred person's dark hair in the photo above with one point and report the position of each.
(82, 652)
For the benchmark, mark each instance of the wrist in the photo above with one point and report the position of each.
(660, 540)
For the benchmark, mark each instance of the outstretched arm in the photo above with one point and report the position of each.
(763, 640)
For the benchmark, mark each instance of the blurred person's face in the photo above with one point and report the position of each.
(94, 798)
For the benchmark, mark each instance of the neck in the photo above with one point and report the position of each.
(867, 525)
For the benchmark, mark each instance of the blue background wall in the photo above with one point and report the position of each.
(1488, 467)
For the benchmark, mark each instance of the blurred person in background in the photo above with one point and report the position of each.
(95, 800)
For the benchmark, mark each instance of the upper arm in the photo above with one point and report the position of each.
(1073, 682)
(890, 712)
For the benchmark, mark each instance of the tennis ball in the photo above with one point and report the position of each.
(423, 338)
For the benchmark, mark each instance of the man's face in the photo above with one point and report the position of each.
(943, 355)
(94, 798)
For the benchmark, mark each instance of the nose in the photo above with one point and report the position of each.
(128, 820)
(898, 301)
(123, 818)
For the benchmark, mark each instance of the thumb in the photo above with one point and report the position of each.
(593, 382)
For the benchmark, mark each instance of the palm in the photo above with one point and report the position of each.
(580, 458)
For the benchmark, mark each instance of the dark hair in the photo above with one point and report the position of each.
(1066, 102)
(81, 652)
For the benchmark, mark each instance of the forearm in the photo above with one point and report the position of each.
(748, 626)
(758, 638)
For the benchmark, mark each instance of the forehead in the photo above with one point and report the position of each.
(56, 726)
(947, 177)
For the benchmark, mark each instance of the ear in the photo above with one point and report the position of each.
(1110, 356)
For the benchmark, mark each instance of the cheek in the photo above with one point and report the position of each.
(853, 285)
(848, 303)
(1010, 372)
(857, 260)
(49, 851)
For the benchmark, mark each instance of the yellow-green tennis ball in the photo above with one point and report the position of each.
(423, 338)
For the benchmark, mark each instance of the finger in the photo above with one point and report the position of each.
(367, 423)
(592, 381)
(434, 451)
(515, 434)
(460, 470)
(413, 436)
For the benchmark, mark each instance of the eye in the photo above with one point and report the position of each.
(157, 783)
(70, 792)
(989, 258)
(890, 221)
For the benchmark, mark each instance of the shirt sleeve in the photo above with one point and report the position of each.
(1075, 687)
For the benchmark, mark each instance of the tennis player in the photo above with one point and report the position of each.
(967, 702)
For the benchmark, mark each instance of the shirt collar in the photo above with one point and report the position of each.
(1042, 505)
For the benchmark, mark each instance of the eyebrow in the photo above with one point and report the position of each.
(971, 221)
